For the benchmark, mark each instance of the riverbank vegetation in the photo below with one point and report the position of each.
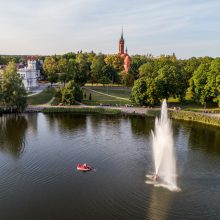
(195, 117)
(12, 91)
(187, 116)
(105, 111)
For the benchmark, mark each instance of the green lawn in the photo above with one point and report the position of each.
(98, 99)
(42, 98)
(101, 85)
(120, 92)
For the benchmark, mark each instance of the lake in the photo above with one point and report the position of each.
(39, 180)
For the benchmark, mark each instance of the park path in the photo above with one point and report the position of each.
(38, 89)
(113, 96)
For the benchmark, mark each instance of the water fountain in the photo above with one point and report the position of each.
(163, 152)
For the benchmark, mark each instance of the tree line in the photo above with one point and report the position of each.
(151, 78)
(167, 76)
(84, 68)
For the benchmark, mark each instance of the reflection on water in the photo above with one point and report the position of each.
(32, 122)
(43, 183)
(66, 122)
(205, 137)
(141, 125)
(160, 203)
(12, 133)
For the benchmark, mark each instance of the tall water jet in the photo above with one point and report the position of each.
(163, 151)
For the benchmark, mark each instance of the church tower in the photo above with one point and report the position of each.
(124, 53)
(121, 44)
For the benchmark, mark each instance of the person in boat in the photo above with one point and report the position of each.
(156, 177)
(84, 165)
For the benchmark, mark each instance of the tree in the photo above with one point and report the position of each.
(139, 60)
(110, 73)
(205, 82)
(104, 80)
(63, 70)
(82, 69)
(50, 68)
(71, 69)
(147, 70)
(127, 79)
(198, 82)
(14, 93)
(96, 69)
(71, 93)
(138, 94)
(115, 61)
(145, 92)
(214, 80)
(171, 82)
(81, 73)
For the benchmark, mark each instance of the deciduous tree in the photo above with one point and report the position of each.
(14, 93)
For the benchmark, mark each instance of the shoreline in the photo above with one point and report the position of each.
(204, 118)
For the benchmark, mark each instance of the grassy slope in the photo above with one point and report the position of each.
(42, 98)
(120, 92)
(102, 99)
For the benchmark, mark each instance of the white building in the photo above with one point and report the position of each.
(30, 74)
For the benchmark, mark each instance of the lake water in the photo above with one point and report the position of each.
(39, 180)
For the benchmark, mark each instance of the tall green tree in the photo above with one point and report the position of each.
(115, 61)
(14, 93)
(71, 93)
(110, 73)
(97, 69)
(145, 92)
(62, 67)
(205, 82)
(83, 69)
(50, 67)
(214, 80)
(147, 70)
(167, 81)
(71, 69)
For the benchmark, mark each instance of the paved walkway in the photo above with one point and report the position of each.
(39, 89)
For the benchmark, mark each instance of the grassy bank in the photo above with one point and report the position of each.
(42, 98)
(195, 117)
(188, 116)
(103, 111)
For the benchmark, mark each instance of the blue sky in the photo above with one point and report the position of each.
(185, 27)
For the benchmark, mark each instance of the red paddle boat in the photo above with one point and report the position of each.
(83, 167)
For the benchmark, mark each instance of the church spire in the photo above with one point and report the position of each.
(122, 38)
(121, 43)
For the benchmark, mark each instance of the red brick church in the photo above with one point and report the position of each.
(124, 55)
